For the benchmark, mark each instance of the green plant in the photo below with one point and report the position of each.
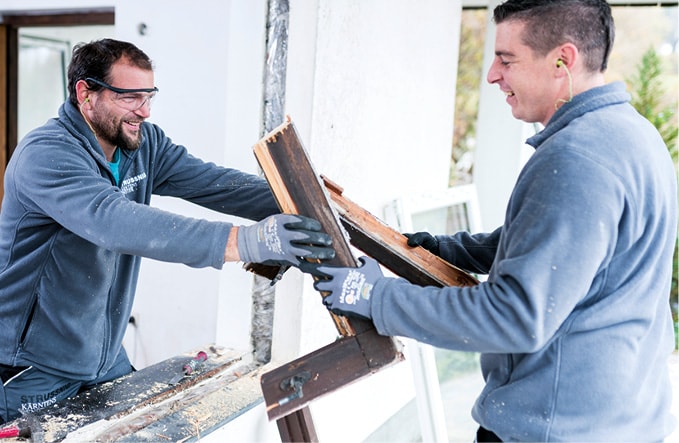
(647, 98)
(453, 364)
(468, 87)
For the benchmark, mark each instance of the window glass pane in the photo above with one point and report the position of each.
(42, 80)
(44, 54)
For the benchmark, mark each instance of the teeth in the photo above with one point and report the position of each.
(509, 93)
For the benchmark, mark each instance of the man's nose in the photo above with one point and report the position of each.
(144, 110)
(493, 75)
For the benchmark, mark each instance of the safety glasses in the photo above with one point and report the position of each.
(129, 99)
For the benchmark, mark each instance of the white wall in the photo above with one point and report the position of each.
(370, 88)
(210, 101)
(500, 149)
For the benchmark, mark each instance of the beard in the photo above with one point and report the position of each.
(111, 130)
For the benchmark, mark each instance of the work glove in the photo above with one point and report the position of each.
(348, 289)
(284, 239)
(424, 239)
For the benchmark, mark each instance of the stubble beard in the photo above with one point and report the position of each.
(111, 130)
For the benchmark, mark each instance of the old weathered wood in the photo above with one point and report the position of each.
(143, 406)
(388, 246)
(297, 427)
(361, 351)
(338, 364)
(298, 190)
(187, 415)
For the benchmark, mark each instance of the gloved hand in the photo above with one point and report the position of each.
(424, 239)
(284, 239)
(349, 288)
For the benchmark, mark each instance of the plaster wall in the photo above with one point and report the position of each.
(370, 88)
(500, 151)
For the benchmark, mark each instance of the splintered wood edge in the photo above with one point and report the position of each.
(271, 135)
(274, 178)
(271, 174)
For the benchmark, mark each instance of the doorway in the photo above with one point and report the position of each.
(36, 47)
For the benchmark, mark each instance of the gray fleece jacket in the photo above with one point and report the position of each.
(573, 322)
(71, 239)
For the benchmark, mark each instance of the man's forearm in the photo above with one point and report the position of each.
(231, 253)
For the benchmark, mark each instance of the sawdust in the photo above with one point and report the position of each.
(232, 398)
(237, 393)
(159, 414)
(55, 427)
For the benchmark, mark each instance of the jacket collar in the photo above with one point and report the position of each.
(70, 115)
(601, 96)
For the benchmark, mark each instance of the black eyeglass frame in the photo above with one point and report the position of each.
(119, 90)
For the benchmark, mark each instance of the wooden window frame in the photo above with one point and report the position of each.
(361, 351)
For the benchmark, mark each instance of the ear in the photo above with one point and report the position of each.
(82, 92)
(565, 56)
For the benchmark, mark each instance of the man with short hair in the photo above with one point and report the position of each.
(76, 221)
(573, 321)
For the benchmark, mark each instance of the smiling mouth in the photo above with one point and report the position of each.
(509, 93)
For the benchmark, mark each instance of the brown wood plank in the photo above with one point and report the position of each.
(297, 427)
(59, 17)
(186, 416)
(390, 248)
(297, 187)
(4, 118)
(338, 364)
(298, 190)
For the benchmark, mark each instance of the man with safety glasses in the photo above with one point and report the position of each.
(76, 221)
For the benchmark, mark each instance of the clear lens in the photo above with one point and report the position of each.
(133, 101)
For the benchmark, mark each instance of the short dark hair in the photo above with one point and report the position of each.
(588, 24)
(95, 59)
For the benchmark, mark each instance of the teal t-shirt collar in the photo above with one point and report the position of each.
(115, 165)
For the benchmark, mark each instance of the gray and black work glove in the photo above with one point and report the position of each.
(348, 289)
(424, 239)
(284, 239)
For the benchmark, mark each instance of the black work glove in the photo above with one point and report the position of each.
(347, 290)
(284, 239)
(424, 239)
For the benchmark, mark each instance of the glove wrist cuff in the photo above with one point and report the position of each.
(246, 253)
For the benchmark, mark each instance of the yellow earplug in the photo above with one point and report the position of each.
(560, 64)
(80, 106)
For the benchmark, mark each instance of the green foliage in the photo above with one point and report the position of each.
(468, 87)
(452, 364)
(647, 98)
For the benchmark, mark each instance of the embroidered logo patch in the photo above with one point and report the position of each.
(130, 185)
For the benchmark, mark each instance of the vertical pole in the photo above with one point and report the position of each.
(298, 426)
(263, 297)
